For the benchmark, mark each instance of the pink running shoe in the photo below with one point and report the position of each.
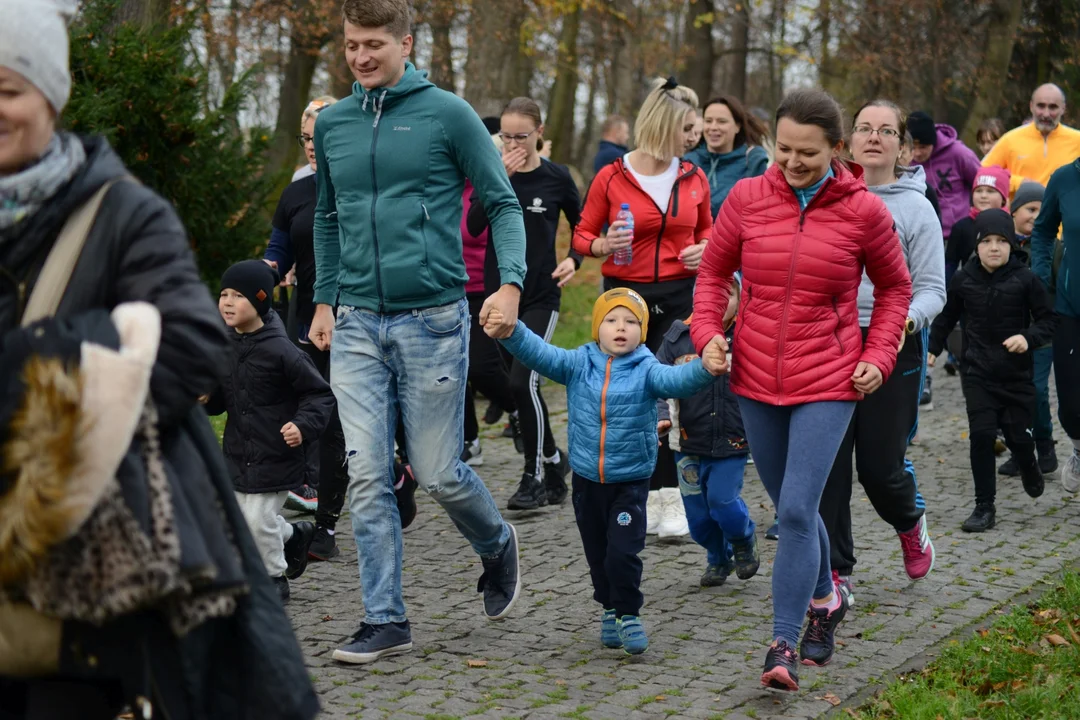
(918, 550)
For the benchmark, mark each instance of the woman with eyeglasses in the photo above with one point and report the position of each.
(544, 190)
(886, 420)
(669, 199)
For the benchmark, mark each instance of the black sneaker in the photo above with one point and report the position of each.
(530, 494)
(303, 500)
(1048, 461)
(501, 581)
(746, 558)
(773, 533)
(951, 369)
(715, 575)
(472, 455)
(1033, 480)
(926, 400)
(819, 640)
(296, 550)
(981, 519)
(513, 430)
(372, 642)
(323, 545)
(493, 414)
(282, 585)
(1009, 468)
(406, 496)
(555, 479)
(781, 668)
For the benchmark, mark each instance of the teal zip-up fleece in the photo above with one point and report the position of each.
(1050, 259)
(391, 168)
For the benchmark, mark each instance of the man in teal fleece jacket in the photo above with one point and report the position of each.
(392, 161)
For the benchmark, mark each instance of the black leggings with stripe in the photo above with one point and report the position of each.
(525, 387)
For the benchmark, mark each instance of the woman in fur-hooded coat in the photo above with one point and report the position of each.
(127, 575)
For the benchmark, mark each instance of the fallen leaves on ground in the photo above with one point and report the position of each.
(478, 663)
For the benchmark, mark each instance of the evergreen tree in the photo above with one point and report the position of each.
(145, 92)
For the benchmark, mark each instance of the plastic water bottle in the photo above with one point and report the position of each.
(624, 256)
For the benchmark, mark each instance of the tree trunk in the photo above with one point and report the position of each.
(560, 120)
(341, 78)
(623, 96)
(493, 66)
(293, 98)
(585, 140)
(147, 14)
(699, 41)
(1000, 38)
(440, 18)
(740, 39)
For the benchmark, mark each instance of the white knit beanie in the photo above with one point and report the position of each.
(34, 43)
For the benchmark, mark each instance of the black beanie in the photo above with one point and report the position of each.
(493, 124)
(253, 279)
(921, 127)
(995, 222)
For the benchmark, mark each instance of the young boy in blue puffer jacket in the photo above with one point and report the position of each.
(612, 385)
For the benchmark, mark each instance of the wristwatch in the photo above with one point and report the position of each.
(909, 326)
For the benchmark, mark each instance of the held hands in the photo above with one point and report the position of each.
(321, 331)
(714, 356)
(691, 256)
(1016, 344)
(565, 271)
(867, 378)
(662, 429)
(292, 435)
(500, 312)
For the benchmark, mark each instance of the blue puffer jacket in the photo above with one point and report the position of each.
(612, 402)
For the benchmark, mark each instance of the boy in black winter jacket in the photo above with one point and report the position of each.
(276, 401)
(706, 433)
(1006, 313)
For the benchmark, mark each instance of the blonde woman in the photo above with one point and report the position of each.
(669, 199)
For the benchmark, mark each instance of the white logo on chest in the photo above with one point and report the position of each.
(537, 206)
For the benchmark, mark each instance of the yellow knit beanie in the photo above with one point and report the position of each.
(620, 297)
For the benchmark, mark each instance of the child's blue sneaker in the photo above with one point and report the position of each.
(609, 630)
(632, 635)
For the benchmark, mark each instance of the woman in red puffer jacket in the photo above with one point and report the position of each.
(803, 233)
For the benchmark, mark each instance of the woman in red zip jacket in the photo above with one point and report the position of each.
(669, 200)
(803, 233)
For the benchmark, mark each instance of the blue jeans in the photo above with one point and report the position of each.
(711, 492)
(1044, 422)
(794, 449)
(414, 363)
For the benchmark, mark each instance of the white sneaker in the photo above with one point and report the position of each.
(673, 521)
(1070, 474)
(653, 512)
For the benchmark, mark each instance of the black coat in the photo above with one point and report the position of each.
(993, 307)
(137, 250)
(269, 382)
(710, 422)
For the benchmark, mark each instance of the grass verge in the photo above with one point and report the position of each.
(1026, 665)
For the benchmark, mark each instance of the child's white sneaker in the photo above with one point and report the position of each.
(673, 514)
(654, 511)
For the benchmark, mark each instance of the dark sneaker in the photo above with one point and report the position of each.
(951, 369)
(773, 533)
(493, 414)
(304, 500)
(472, 455)
(1033, 480)
(819, 640)
(501, 581)
(632, 634)
(609, 630)
(406, 496)
(282, 585)
(555, 479)
(323, 546)
(926, 400)
(981, 519)
(715, 575)
(296, 550)
(780, 668)
(1048, 461)
(372, 642)
(513, 430)
(530, 494)
(746, 558)
(1009, 468)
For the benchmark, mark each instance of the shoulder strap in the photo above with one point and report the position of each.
(55, 275)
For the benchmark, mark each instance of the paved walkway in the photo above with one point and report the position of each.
(707, 646)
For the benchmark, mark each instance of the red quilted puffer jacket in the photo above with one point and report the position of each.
(798, 337)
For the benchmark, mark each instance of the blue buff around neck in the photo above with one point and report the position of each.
(805, 195)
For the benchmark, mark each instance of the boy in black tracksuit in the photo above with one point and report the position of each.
(1006, 314)
(276, 400)
(707, 436)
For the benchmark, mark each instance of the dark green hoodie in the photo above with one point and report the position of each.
(392, 164)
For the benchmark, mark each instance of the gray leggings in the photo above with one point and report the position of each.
(794, 448)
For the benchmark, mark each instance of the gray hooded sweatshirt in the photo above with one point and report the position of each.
(924, 249)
